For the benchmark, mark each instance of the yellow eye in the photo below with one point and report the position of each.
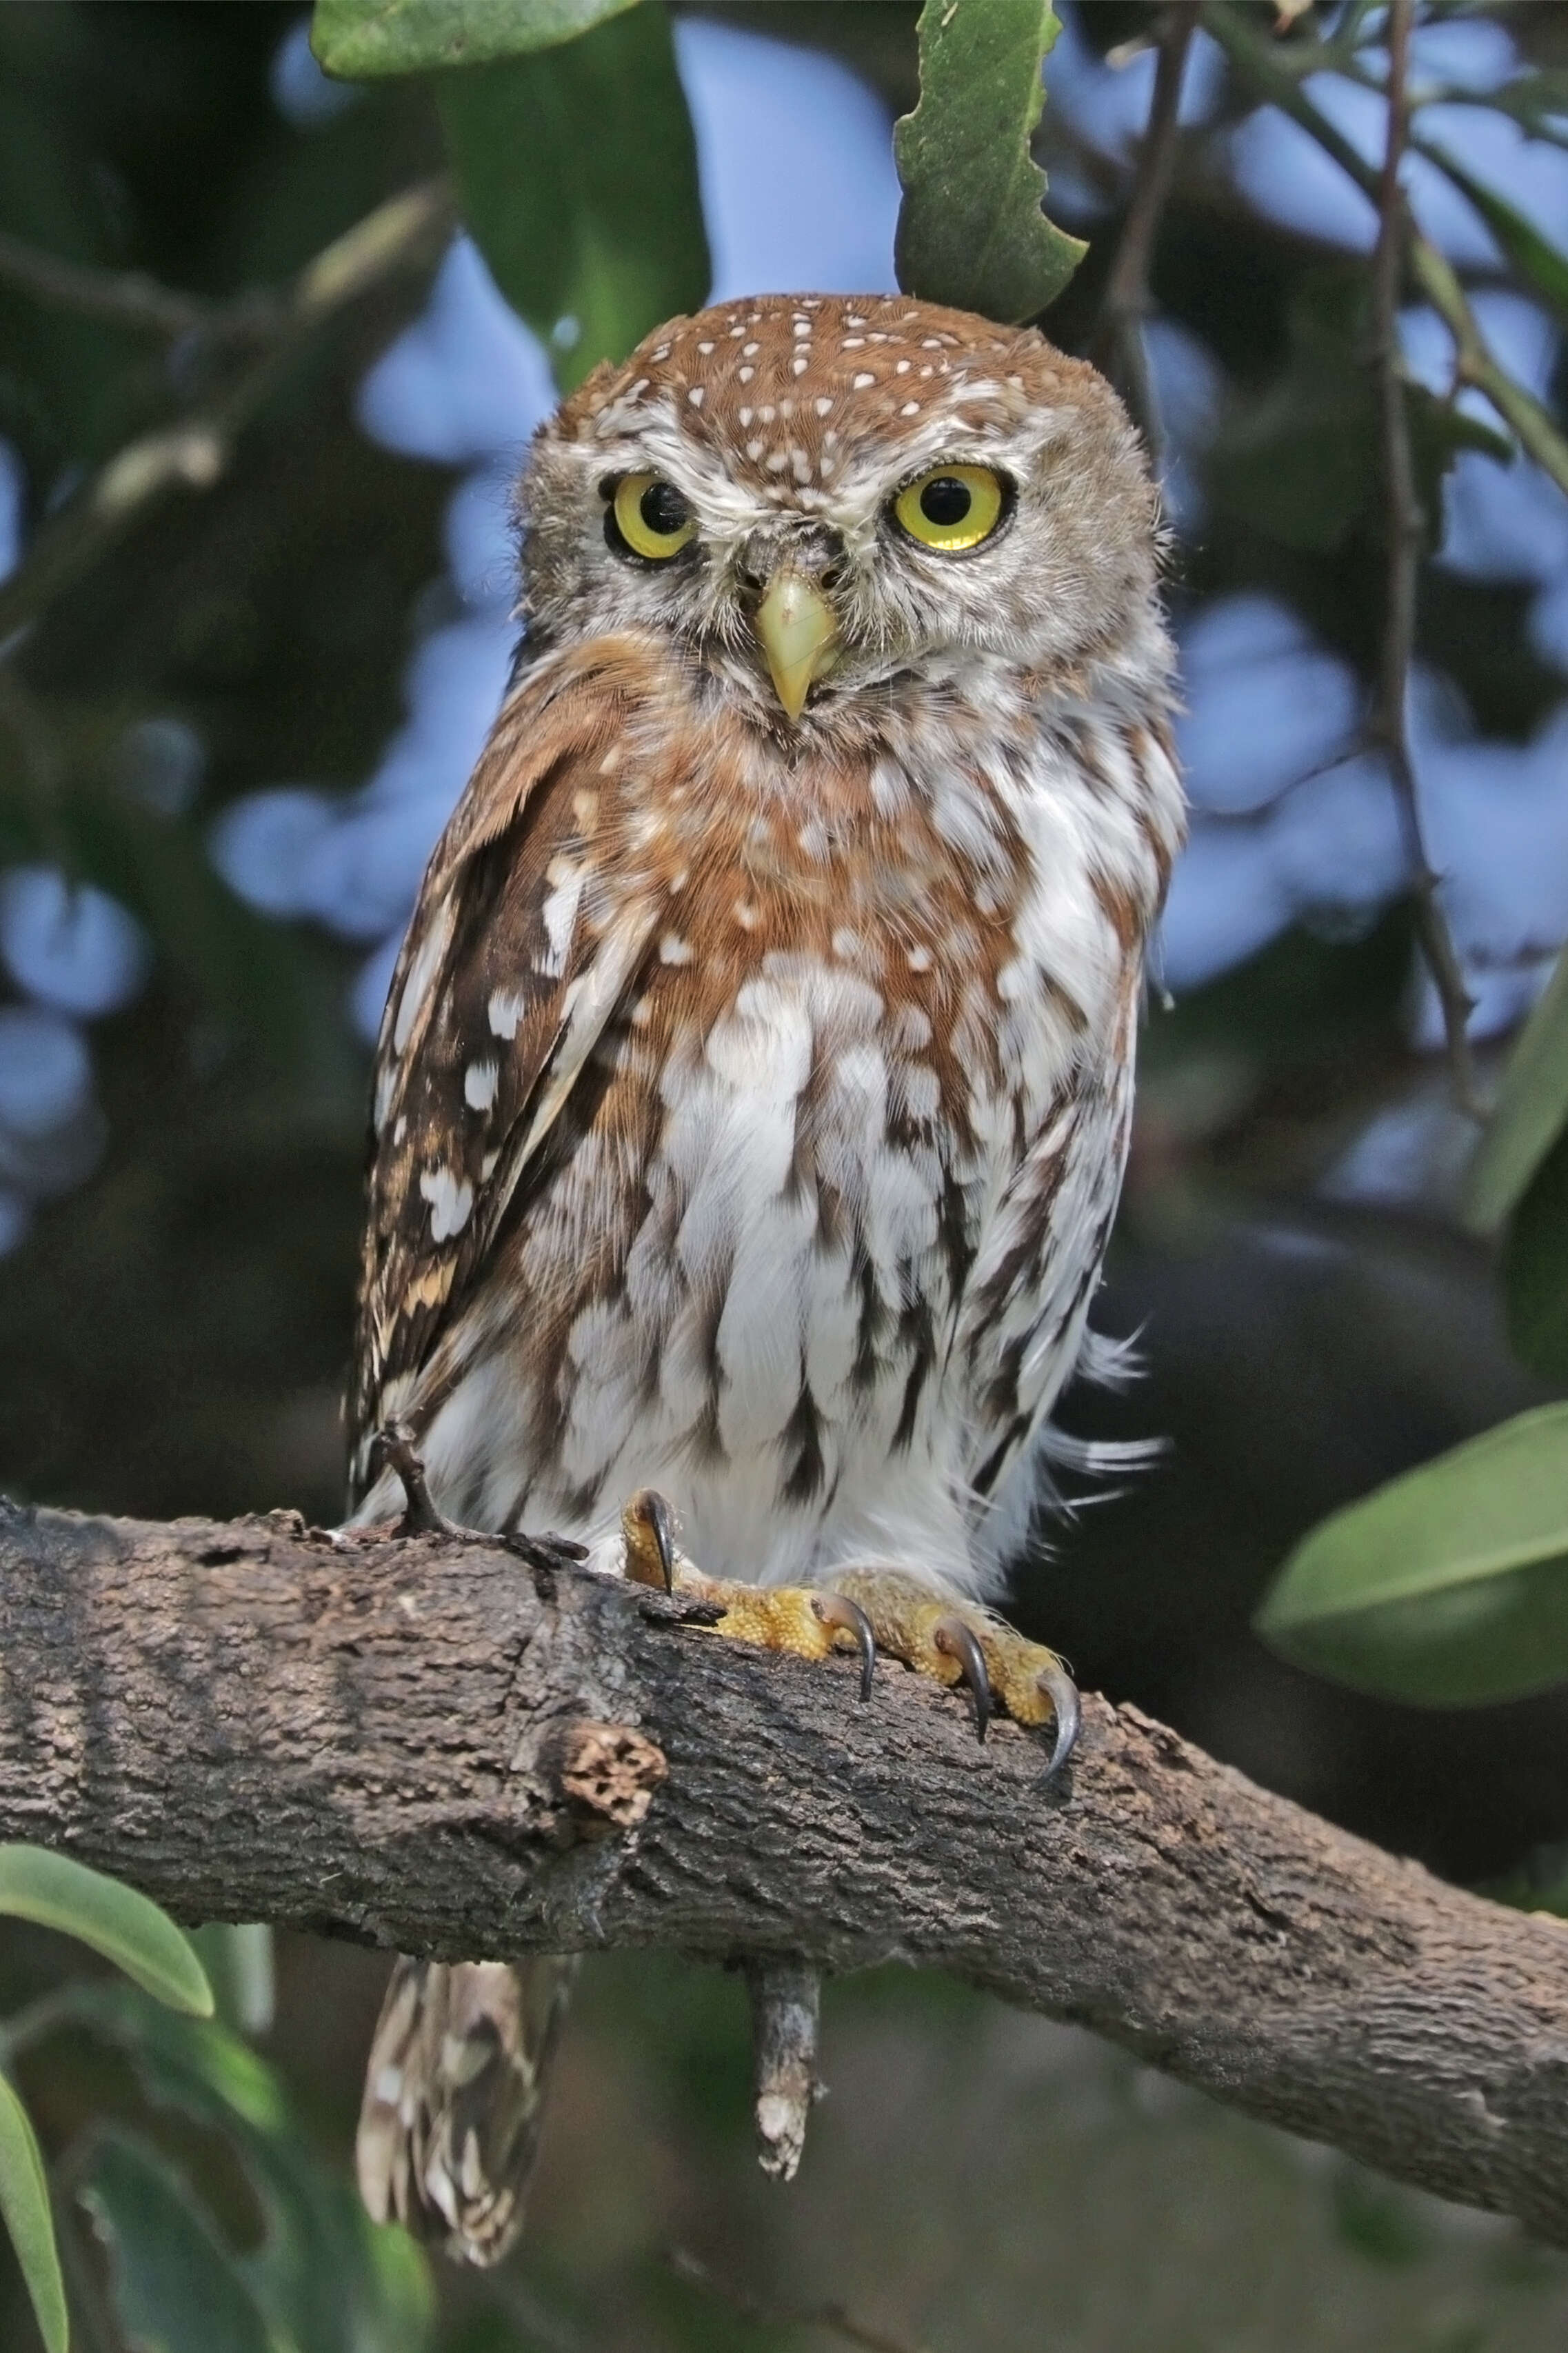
(952, 508)
(652, 516)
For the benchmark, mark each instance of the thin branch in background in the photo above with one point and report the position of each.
(403, 234)
(1406, 532)
(830, 2318)
(120, 298)
(1117, 345)
(1474, 364)
(1261, 64)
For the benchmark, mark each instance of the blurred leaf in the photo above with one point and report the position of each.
(126, 1926)
(1538, 1883)
(971, 228)
(177, 2287)
(1377, 2219)
(1303, 998)
(25, 2203)
(327, 2278)
(1535, 1269)
(1448, 1588)
(358, 39)
(1300, 462)
(240, 1966)
(1531, 1109)
(577, 171)
(1536, 258)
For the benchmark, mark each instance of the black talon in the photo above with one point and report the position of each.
(837, 1609)
(956, 1641)
(1062, 1692)
(648, 1514)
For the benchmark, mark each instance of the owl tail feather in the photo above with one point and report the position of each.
(454, 2097)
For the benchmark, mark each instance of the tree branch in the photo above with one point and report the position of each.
(1117, 345)
(194, 451)
(121, 297)
(1406, 532)
(427, 1746)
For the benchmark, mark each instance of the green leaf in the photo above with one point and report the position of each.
(1535, 1269)
(359, 39)
(971, 228)
(177, 2287)
(1536, 258)
(240, 1966)
(1532, 1110)
(324, 2275)
(1448, 1588)
(25, 2203)
(124, 1925)
(577, 171)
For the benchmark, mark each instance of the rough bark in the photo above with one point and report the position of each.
(433, 1747)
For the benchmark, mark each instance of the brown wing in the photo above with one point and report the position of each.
(531, 925)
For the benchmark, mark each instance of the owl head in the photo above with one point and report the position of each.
(819, 495)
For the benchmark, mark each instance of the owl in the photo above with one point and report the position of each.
(754, 1086)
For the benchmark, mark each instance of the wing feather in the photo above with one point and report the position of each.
(529, 929)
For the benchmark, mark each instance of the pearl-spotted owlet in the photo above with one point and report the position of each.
(753, 1089)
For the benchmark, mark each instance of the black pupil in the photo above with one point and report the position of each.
(945, 500)
(663, 509)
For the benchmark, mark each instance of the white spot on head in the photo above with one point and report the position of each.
(778, 460)
(753, 450)
(705, 349)
(695, 396)
(799, 365)
(746, 375)
(750, 351)
(801, 327)
(911, 408)
(822, 405)
(673, 949)
(450, 1202)
(853, 343)
(903, 368)
(862, 382)
(479, 1081)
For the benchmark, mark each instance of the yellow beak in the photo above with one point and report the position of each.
(799, 636)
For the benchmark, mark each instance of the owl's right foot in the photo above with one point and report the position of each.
(392, 1448)
(871, 1610)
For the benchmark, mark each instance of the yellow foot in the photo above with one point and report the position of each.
(870, 1611)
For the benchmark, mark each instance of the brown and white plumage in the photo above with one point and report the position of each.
(753, 1093)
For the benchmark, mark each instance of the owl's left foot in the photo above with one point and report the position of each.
(871, 1610)
(392, 1448)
